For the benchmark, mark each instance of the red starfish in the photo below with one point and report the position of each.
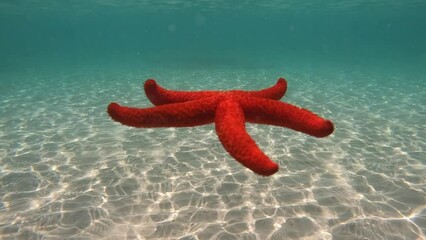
(229, 110)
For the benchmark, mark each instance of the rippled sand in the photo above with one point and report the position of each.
(68, 172)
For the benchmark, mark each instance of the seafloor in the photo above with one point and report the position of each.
(68, 172)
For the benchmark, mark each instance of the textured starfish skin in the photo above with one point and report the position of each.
(229, 110)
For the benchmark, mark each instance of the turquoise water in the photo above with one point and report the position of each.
(69, 172)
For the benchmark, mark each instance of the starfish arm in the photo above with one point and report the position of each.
(188, 114)
(265, 111)
(230, 127)
(159, 95)
(275, 92)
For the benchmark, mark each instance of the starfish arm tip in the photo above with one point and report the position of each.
(268, 169)
(281, 80)
(150, 83)
(112, 110)
(325, 128)
(112, 106)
